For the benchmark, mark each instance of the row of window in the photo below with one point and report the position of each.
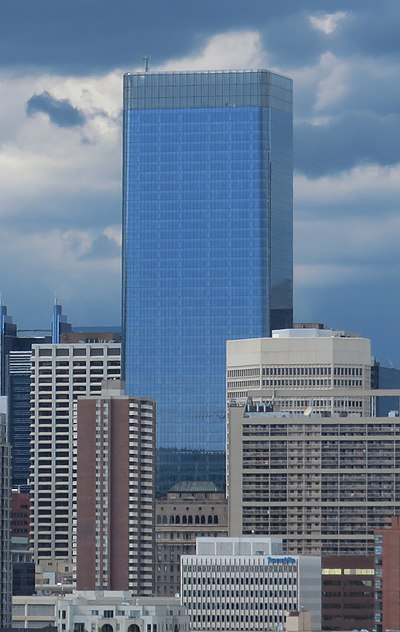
(242, 372)
(327, 383)
(72, 350)
(187, 519)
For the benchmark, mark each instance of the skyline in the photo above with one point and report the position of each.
(60, 147)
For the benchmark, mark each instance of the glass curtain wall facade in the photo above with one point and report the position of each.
(207, 246)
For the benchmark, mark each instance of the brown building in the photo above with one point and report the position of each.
(347, 592)
(115, 492)
(387, 577)
(189, 510)
(86, 337)
(20, 514)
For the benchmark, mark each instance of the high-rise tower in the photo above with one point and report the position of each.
(207, 245)
(115, 492)
(5, 522)
(60, 374)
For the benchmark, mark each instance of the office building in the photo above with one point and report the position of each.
(190, 509)
(15, 368)
(115, 492)
(19, 406)
(34, 611)
(86, 335)
(23, 569)
(8, 332)
(106, 611)
(387, 576)
(60, 374)
(304, 362)
(59, 324)
(20, 514)
(5, 524)
(347, 592)
(321, 480)
(207, 245)
(247, 584)
(323, 472)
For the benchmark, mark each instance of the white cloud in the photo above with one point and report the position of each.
(333, 85)
(358, 183)
(41, 163)
(323, 275)
(226, 51)
(327, 23)
(114, 233)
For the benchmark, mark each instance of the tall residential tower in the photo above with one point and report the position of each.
(207, 245)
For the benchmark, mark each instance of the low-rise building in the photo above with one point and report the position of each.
(246, 583)
(34, 611)
(101, 611)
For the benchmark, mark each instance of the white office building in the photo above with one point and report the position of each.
(60, 374)
(246, 583)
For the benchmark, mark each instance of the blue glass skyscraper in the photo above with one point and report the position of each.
(207, 245)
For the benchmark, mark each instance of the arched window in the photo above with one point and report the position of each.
(209, 520)
(197, 520)
(184, 519)
(203, 520)
(133, 628)
(107, 628)
(171, 520)
(159, 519)
(190, 519)
(164, 520)
(177, 520)
(215, 519)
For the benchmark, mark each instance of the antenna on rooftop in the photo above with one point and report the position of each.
(146, 59)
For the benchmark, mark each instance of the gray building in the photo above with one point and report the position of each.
(308, 457)
(191, 509)
(5, 523)
(247, 584)
(323, 482)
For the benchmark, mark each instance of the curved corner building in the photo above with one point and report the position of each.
(207, 245)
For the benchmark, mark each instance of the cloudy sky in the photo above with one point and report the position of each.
(60, 131)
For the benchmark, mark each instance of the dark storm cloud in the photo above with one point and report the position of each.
(83, 36)
(370, 29)
(349, 140)
(61, 112)
(291, 40)
(81, 210)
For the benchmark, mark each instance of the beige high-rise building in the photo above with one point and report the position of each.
(115, 492)
(307, 459)
(305, 362)
(60, 374)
